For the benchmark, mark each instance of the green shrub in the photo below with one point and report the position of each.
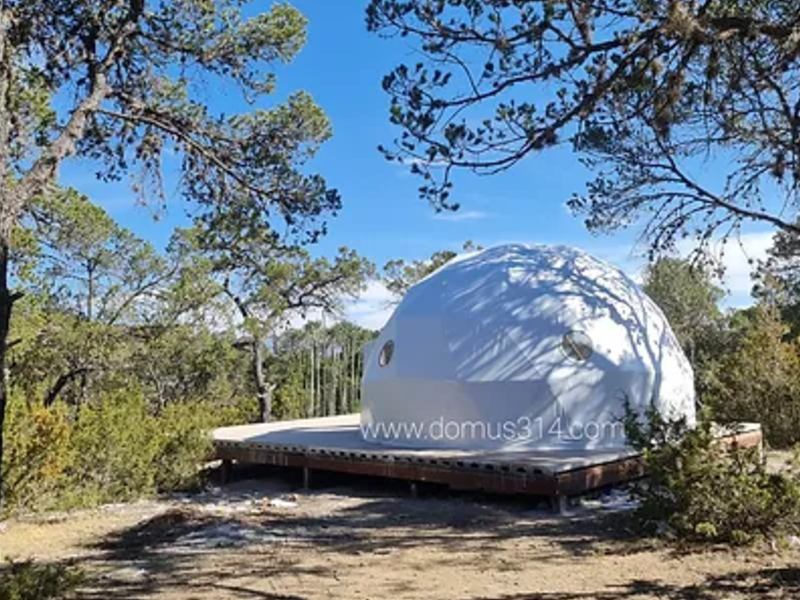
(116, 444)
(28, 581)
(701, 491)
(758, 380)
(112, 450)
(37, 454)
(183, 443)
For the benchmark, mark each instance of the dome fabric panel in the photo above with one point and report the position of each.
(522, 347)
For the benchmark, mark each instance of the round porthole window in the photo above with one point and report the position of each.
(387, 351)
(576, 345)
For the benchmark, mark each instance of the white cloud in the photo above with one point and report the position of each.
(370, 310)
(739, 259)
(373, 307)
(422, 162)
(466, 215)
(298, 321)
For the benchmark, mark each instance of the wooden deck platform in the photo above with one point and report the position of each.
(335, 444)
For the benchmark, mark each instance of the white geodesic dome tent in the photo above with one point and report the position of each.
(521, 347)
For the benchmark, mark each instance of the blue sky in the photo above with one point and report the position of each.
(341, 67)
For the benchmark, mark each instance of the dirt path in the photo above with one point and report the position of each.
(344, 543)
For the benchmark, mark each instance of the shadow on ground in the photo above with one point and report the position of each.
(778, 583)
(192, 551)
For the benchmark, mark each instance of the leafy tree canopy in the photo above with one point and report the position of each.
(128, 86)
(126, 83)
(777, 279)
(689, 298)
(399, 275)
(269, 283)
(645, 90)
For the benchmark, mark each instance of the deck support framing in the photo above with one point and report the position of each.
(503, 475)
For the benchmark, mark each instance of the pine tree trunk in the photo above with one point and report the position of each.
(345, 368)
(313, 394)
(332, 381)
(7, 214)
(352, 381)
(263, 391)
(318, 400)
(9, 209)
(359, 374)
(343, 378)
(6, 302)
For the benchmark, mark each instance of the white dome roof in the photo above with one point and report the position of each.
(521, 347)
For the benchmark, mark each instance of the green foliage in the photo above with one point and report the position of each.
(173, 363)
(111, 451)
(37, 455)
(116, 444)
(758, 378)
(777, 279)
(399, 275)
(317, 370)
(128, 339)
(268, 283)
(61, 356)
(111, 405)
(689, 299)
(701, 491)
(130, 108)
(183, 433)
(291, 397)
(26, 580)
(85, 261)
(644, 91)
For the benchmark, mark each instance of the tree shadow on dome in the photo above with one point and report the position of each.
(507, 309)
(545, 292)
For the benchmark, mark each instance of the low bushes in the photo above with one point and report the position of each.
(699, 491)
(30, 581)
(111, 451)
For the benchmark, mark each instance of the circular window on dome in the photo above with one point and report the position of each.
(576, 345)
(387, 351)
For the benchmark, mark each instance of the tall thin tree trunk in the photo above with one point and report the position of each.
(263, 390)
(343, 378)
(306, 380)
(318, 394)
(359, 372)
(90, 291)
(7, 215)
(324, 379)
(6, 302)
(321, 381)
(320, 412)
(332, 380)
(312, 403)
(337, 387)
(351, 381)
